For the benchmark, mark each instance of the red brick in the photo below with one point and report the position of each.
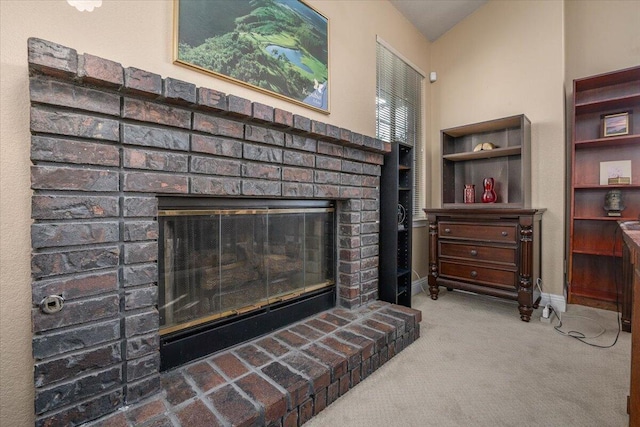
(76, 365)
(210, 99)
(318, 373)
(297, 174)
(54, 234)
(76, 287)
(155, 182)
(378, 337)
(398, 324)
(230, 365)
(239, 107)
(235, 408)
(365, 344)
(253, 355)
(52, 58)
(336, 362)
(272, 346)
(142, 82)
(54, 92)
(146, 411)
(261, 113)
(77, 312)
(155, 160)
(59, 178)
(216, 145)
(215, 186)
(272, 400)
(197, 414)
(96, 70)
(388, 330)
(355, 376)
(333, 319)
(351, 352)
(264, 135)
(305, 411)
(282, 118)
(205, 376)
(74, 124)
(330, 149)
(319, 401)
(218, 126)
(292, 339)
(345, 384)
(152, 112)
(291, 419)
(179, 92)
(69, 151)
(307, 332)
(297, 386)
(333, 392)
(115, 420)
(301, 123)
(176, 387)
(318, 128)
(297, 190)
(321, 326)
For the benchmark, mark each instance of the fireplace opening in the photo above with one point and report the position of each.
(234, 269)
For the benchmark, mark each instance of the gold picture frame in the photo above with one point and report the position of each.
(278, 47)
(616, 124)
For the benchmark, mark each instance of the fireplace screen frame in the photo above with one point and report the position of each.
(200, 337)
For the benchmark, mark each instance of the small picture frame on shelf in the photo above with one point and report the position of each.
(616, 124)
(615, 173)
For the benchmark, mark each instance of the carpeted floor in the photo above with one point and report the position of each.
(477, 364)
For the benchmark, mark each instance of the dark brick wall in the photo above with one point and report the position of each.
(106, 142)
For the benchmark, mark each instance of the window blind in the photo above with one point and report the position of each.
(399, 113)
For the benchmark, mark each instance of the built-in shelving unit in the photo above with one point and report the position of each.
(396, 213)
(595, 243)
(508, 163)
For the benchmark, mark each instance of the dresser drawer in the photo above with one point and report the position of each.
(478, 231)
(505, 279)
(479, 253)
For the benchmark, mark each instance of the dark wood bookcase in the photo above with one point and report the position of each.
(396, 218)
(595, 242)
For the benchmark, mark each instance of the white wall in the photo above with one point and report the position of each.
(507, 59)
(139, 34)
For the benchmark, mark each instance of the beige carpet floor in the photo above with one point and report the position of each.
(477, 364)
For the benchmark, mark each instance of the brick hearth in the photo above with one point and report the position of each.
(107, 141)
(282, 379)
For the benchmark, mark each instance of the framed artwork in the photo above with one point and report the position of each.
(616, 172)
(615, 124)
(276, 46)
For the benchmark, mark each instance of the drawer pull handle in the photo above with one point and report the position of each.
(474, 252)
(474, 274)
(447, 230)
(505, 234)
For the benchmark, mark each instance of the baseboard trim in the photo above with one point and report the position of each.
(558, 302)
(420, 285)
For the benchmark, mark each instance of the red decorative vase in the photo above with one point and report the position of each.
(489, 195)
(469, 193)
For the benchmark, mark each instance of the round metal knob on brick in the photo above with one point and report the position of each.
(51, 304)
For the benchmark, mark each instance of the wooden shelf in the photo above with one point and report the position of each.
(484, 154)
(595, 243)
(509, 164)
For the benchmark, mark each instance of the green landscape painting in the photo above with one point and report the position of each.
(279, 46)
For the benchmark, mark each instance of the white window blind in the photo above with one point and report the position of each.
(399, 113)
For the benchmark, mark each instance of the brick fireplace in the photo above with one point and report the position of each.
(107, 142)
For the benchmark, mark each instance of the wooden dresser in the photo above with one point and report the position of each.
(631, 236)
(490, 251)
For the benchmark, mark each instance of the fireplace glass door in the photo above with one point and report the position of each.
(219, 263)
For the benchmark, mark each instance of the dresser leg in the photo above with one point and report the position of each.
(525, 312)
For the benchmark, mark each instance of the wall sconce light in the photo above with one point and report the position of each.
(83, 5)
